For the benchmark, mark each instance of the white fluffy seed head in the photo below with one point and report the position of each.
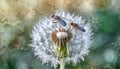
(61, 35)
(78, 45)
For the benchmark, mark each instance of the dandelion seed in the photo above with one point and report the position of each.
(61, 44)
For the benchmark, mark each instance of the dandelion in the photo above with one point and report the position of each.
(61, 44)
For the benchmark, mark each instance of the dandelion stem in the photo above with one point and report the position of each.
(67, 50)
(62, 64)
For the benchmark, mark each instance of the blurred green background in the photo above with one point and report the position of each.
(17, 18)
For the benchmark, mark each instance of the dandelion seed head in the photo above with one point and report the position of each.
(43, 43)
(110, 56)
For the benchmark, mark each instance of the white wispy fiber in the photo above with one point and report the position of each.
(44, 48)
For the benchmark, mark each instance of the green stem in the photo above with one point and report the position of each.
(61, 52)
(67, 50)
(62, 64)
